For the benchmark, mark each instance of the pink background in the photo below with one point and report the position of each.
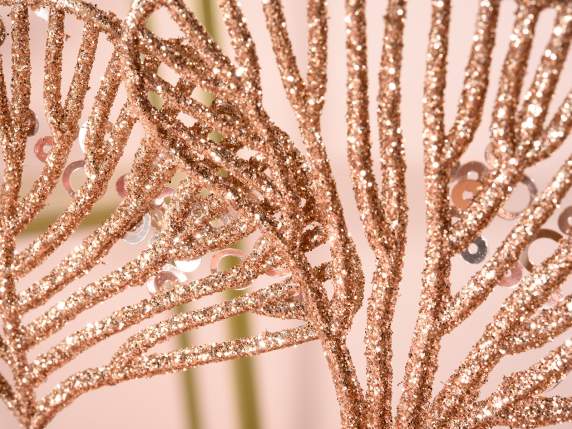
(294, 386)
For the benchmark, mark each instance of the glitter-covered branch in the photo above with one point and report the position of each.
(214, 170)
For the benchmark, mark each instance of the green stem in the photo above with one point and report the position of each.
(243, 369)
(244, 377)
(192, 402)
(239, 327)
(209, 19)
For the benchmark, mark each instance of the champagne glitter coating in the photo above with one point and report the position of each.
(286, 197)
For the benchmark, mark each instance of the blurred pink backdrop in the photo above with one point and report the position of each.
(294, 386)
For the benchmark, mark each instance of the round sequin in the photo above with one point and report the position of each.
(471, 169)
(157, 217)
(32, 123)
(220, 255)
(164, 280)
(120, 186)
(476, 255)
(458, 193)
(532, 191)
(68, 171)
(43, 147)
(167, 192)
(545, 233)
(277, 272)
(139, 233)
(83, 133)
(513, 276)
(490, 158)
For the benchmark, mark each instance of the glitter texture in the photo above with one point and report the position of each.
(240, 177)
